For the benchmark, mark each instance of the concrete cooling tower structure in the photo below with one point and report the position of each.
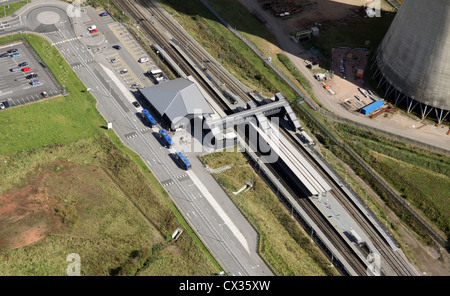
(413, 60)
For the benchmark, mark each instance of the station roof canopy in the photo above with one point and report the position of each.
(177, 99)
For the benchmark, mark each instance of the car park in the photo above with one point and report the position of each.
(23, 85)
(4, 55)
(117, 47)
(15, 55)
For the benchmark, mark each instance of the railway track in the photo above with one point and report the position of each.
(148, 28)
(193, 50)
(278, 169)
(396, 263)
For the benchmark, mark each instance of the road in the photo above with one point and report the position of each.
(217, 221)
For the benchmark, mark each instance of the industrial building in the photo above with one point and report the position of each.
(177, 102)
(413, 61)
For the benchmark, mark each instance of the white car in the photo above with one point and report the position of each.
(114, 60)
(123, 71)
(143, 60)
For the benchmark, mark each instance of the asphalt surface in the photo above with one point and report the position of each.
(217, 221)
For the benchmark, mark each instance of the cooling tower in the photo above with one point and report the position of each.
(413, 59)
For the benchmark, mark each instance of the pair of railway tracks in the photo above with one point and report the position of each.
(399, 266)
(394, 261)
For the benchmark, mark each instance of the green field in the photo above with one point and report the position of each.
(420, 176)
(283, 242)
(8, 9)
(93, 195)
(89, 197)
(59, 120)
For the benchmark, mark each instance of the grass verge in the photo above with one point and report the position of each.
(8, 9)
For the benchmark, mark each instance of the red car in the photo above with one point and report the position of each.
(26, 69)
(93, 31)
(44, 94)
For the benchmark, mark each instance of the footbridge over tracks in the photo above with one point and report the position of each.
(242, 116)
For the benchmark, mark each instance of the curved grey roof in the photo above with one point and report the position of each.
(414, 56)
(177, 99)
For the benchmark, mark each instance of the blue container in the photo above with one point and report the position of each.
(372, 107)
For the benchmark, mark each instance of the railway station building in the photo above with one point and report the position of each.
(177, 102)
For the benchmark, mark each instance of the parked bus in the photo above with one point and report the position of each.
(149, 118)
(166, 138)
(183, 161)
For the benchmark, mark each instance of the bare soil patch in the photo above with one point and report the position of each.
(30, 212)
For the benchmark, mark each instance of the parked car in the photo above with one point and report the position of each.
(135, 85)
(117, 47)
(32, 75)
(4, 55)
(4, 105)
(26, 69)
(45, 94)
(115, 60)
(104, 14)
(143, 60)
(123, 71)
(13, 50)
(35, 82)
(136, 104)
(15, 69)
(93, 31)
(15, 55)
(24, 64)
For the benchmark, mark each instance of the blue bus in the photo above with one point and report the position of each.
(183, 161)
(149, 118)
(166, 138)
